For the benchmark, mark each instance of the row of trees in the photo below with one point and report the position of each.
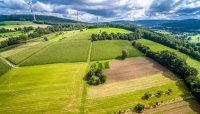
(38, 32)
(113, 36)
(184, 47)
(176, 65)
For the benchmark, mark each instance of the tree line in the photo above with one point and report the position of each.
(113, 36)
(176, 65)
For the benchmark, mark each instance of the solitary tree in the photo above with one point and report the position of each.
(124, 54)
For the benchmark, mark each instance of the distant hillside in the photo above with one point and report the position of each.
(145, 23)
(40, 19)
(183, 25)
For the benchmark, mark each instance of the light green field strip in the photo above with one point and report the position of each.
(43, 89)
(112, 49)
(60, 52)
(123, 87)
(25, 54)
(18, 49)
(158, 47)
(129, 100)
(108, 30)
(16, 24)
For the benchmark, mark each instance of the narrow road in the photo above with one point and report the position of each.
(9, 63)
(89, 55)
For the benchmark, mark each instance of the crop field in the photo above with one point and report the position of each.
(18, 49)
(103, 50)
(21, 56)
(195, 39)
(134, 68)
(42, 89)
(108, 30)
(158, 47)
(60, 52)
(4, 67)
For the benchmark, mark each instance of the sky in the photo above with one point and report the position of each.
(106, 10)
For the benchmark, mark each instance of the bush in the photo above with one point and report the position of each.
(100, 66)
(46, 39)
(139, 108)
(124, 54)
(107, 65)
(146, 96)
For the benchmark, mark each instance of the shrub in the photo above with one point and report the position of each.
(146, 96)
(139, 108)
(107, 65)
(124, 54)
(103, 78)
(100, 66)
(46, 39)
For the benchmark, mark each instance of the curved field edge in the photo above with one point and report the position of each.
(55, 88)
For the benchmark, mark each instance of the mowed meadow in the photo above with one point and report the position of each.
(48, 76)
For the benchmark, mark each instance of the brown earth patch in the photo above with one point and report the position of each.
(121, 70)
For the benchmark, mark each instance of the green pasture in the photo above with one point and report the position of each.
(112, 49)
(49, 89)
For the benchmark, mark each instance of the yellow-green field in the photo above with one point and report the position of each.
(43, 89)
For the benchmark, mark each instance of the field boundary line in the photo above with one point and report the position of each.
(8, 62)
(83, 99)
(35, 53)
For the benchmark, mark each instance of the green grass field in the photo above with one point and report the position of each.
(158, 47)
(43, 89)
(126, 101)
(104, 50)
(60, 52)
(4, 67)
(108, 30)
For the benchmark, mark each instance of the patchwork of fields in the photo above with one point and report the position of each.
(126, 86)
(50, 77)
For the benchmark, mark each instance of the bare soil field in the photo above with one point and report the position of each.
(125, 76)
(121, 70)
(181, 107)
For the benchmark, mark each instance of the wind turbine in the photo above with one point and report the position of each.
(77, 16)
(30, 4)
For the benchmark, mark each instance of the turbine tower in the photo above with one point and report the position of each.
(97, 19)
(77, 15)
(30, 4)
